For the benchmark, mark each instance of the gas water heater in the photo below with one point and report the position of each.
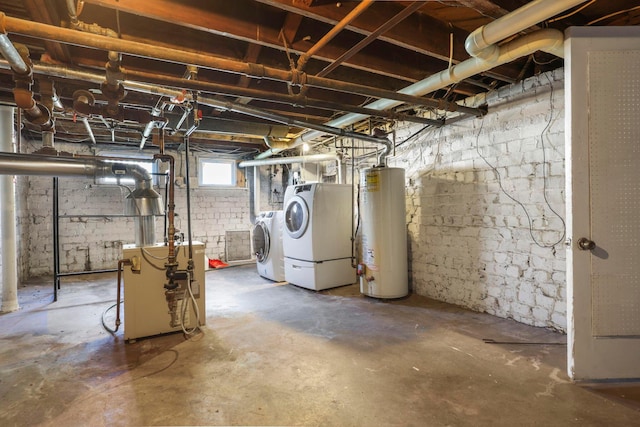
(383, 268)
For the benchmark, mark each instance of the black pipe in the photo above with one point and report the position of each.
(188, 180)
(56, 242)
(81, 273)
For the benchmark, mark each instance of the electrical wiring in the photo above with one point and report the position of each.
(572, 13)
(544, 173)
(612, 14)
(185, 306)
(104, 322)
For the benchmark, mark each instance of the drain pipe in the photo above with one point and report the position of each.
(8, 219)
(485, 55)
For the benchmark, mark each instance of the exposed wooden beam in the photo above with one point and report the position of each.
(252, 22)
(45, 12)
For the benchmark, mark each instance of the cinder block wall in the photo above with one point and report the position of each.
(89, 242)
(473, 244)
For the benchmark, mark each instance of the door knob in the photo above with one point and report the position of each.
(585, 244)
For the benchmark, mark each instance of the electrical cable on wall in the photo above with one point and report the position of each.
(544, 173)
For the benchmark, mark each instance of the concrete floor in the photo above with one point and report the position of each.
(275, 354)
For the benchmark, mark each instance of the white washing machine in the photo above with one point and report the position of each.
(267, 245)
(317, 236)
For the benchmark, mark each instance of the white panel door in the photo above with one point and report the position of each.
(603, 202)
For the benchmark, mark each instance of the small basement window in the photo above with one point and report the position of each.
(216, 172)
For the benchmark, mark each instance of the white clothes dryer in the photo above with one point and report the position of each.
(267, 245)
(317, 235)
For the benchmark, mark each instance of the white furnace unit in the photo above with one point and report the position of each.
(383, 269)
(146, 307)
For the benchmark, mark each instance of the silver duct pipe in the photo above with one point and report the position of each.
(8, 220)
(483, 58)
(143, 202)
(12, 55)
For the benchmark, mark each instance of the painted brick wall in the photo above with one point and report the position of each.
(88, 242)
(470, 243)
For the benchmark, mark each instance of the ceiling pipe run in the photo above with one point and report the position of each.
(65, 35)
(323, 129)
(490, 56)
(351, 16)
(312, 158)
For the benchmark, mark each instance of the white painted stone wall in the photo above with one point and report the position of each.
(470, 243)
(88, 242)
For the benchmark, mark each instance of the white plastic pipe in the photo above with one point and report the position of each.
(512, 23)
(8, 219)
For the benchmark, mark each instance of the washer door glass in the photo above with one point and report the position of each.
(261, 241)
(296, 217)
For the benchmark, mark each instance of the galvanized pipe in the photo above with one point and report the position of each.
(11, 54)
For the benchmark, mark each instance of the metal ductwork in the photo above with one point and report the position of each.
(143, 202)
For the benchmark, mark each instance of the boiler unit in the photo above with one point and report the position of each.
(267, 245)
(151, 309)
(383, 269)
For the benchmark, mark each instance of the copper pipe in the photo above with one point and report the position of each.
(64, 35)
(171, 263)
(351, 16)
(121, 263)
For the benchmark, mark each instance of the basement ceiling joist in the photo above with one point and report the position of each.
(388, 46)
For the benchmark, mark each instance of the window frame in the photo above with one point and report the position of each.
(233, 178)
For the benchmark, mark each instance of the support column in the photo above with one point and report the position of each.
(8, 218)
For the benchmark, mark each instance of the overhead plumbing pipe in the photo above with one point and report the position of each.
(547, 40)
(20, 64)
(488, 57)
(312, 158)
(65, 35)
(323, 129)
(8, 219)
(351, 16)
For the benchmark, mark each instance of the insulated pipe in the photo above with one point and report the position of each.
(547, 40)
(8, 219)
(64, 35)
(514, 22)
(351, 16)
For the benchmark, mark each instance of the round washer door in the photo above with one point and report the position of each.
(296, 217)
(261, 242)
